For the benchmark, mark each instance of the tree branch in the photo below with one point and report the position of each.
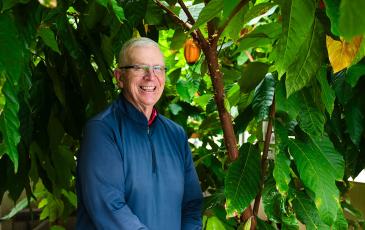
(234, 12)
(187, 12)
(185, 25)
(264, 156)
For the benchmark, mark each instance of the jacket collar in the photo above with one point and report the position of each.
(132, 112)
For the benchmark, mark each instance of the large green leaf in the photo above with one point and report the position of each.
(242, 180)
(281, 173)
(307, 212)
(49, 38)
(113, 5)
(354, 73)
(234, 27)
(11, 48)
(214, 223)
(210, 11)
(228, 7)
(263, 35)
(333, 158)
(311, 119)
(354, 121)
(9, 123)
(11, 67)
(307, 61)
(316, 174)
(333, 12)
(259, 10)
(327, 94)
(352, 18)
(263, 98)
(291, 105)
(295, 31)
(290, 222)
(273, 202)
(252, 74)
(340, 222)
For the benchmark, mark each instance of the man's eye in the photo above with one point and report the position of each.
(157, 67)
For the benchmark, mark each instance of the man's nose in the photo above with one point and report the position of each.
(149, 72)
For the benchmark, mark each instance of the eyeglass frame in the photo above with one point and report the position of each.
(146, 68)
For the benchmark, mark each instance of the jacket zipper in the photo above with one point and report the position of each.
(153, 150)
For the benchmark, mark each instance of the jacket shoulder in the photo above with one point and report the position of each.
(172, 126)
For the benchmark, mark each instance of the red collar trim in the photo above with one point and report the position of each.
(153, 116)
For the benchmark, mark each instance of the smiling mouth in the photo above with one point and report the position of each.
(148, 88)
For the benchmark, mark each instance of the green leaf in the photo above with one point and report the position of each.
(354, 121)
(203, 100)
(118, 10)
(327, 94)
(352, 18)
(134, 11)
(242, 180)
(307, 212)
(333, 158)
(210, 11)
(234, 27)
(262, 225)
(10, 124)
(214, 223)
(281, 173)
(49, 38)
(340, 222)
(291, 105)
(11, 48)
(71, 197)
(154, 14)
(175, 108)
(333, 12)
(311, 119)
(258, 11)
(228, 7)
(290, 222)
(57, 227)
(252, 75)
(263, 35)
(307, 61)
(187, 89)
(272, 202)
(263, 97)
(315, 172)
(354, 73)
(16, 209)
(295, 31)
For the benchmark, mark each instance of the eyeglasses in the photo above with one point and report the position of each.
(142, 70)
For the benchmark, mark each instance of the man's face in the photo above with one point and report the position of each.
(143, 87)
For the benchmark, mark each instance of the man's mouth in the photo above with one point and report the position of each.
(148, 88)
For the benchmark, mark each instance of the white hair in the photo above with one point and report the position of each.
(134, 42)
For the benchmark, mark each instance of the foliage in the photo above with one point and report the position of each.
(56, 67)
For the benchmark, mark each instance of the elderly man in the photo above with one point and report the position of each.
(135, 169)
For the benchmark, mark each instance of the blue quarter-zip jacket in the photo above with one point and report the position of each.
(134, 176)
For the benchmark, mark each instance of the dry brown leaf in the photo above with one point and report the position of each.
(342, 53)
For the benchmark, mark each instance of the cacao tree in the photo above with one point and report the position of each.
(273, 107)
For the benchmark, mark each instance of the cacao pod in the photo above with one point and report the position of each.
(191, 51)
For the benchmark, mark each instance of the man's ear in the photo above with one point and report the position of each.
(118, 76)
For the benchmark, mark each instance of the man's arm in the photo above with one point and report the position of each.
(101, 177)
(193, 199)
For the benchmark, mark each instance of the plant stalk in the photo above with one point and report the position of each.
(264, 162)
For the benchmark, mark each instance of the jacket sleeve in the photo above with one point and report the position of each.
(193, 199)
(101, 178)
